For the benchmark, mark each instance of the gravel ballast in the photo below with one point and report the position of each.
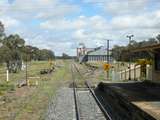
(62, 107)
(89, 110)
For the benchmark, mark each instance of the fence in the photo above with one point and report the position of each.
(21, 77)
(135, 73)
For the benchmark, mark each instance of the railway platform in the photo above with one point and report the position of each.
(132, 99)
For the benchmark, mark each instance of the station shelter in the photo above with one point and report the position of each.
(154, 52)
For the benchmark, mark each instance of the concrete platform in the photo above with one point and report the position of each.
(144, 95)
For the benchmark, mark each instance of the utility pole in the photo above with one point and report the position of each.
(130, 38)
(26, 74)
(27, 82)
(108, 51)
(108, 45)
(108, 57)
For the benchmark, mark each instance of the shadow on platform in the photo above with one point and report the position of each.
(136, 91)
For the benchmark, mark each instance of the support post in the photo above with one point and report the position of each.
(125, 75)
(108, 57)
(7, 71)
(130, 38)
(134, 72)
(27, 81)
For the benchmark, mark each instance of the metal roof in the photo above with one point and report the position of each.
(100, 51)
(147, 48)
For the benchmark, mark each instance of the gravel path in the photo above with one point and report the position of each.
(89, 110)
(62, 107)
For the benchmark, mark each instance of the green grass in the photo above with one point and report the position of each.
(38, 103)
(101, 77)
(6, 87)
(31, 102)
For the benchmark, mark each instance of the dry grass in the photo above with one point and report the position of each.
(30, 103)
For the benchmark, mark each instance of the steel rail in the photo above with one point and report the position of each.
(105, 113)
(78, 71)
(75, 97)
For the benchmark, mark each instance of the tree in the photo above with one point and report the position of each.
(14, 51)
(122, 53)
(11, 52)
(34, 53)
(158, 38)
(65, 56)
(45, 54)
(117, 52)
(2, 34)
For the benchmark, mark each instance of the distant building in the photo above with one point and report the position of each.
(99, 54)
(93, 54)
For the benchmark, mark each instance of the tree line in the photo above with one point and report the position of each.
(123, 53)
(13, 51)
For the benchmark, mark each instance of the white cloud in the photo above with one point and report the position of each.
(40, 9)
(92, 30)
(22, 15)
(125, 6)
(119, 7)
(9, 22)
(61, 25)
(80, 34)
(57, 11)
(145, 21)
(58, 47)
(82, 22)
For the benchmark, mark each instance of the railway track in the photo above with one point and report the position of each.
(75, 96)
(87, 105)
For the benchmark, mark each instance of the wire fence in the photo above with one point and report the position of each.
(30, 74)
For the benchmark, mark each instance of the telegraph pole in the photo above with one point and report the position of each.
(130, 38)
(108, 51)
(108, 57)
(27, 82)
(108, 45)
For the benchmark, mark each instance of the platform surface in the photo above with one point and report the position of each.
(145, 95)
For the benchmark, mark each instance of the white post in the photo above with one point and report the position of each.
(7, 76)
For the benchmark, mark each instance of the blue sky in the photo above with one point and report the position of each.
(60, 25)
(10, 1)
